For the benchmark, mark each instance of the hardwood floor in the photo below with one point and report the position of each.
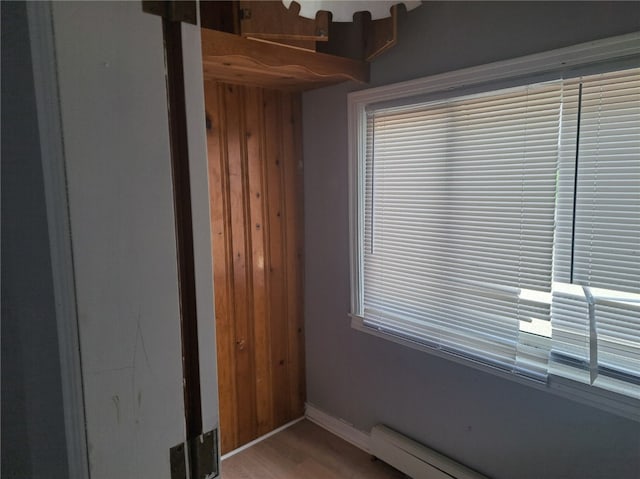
(305, 451)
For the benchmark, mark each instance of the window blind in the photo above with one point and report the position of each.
(596, 291)
(505, 228)
(459, 205)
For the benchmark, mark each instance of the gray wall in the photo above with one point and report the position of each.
(33, 439)
(503, 429)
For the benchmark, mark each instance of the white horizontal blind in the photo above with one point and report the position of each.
(569, 311)
(459, 201)
(607, 232)
(596, 319)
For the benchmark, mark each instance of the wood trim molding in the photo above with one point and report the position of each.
(55, 185)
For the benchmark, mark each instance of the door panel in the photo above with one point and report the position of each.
(113, 102)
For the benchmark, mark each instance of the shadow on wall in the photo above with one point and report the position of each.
(33, 438)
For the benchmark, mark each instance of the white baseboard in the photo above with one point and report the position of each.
(260, 439)
(389, 446)
(340, 428)
(414, 459)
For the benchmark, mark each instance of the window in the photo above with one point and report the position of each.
(502, 226)
(595, 312)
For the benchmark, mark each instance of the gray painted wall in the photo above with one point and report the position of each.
(33, 439)
(503, 429)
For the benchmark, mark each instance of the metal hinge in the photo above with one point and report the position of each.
(202, 452)
(178, 461)
(175, 11)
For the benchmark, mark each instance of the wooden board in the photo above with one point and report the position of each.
(380, 35)
(272, 20)
(363, 38)
(293, 234)
(220, 15)
(231, 58)
(221, 251)
(256, 218)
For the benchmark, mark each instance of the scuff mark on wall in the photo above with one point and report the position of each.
(140, 336)
(116, 402)
(108, 370)
(138, 345)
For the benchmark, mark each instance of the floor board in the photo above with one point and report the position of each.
(305, 451)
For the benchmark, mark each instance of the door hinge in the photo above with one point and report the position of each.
(204, 454)
(178, 461)
(174, 11)
(201, 453)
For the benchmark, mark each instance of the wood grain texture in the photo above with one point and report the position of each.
(293, 234)
(305, 450)
(270, 19)
(231, 58)
(255, 175)
(220, 250)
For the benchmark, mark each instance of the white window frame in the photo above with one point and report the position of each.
(555, 62)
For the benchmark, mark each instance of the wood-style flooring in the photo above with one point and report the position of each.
(305, 451)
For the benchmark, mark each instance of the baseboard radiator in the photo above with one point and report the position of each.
(414, 459)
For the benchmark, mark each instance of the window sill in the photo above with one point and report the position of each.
(613, 403)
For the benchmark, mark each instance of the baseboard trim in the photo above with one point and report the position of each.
(260, 439)
(339, 427)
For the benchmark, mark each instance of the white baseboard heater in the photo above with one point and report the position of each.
(414, 459)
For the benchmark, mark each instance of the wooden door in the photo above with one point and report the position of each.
(110, 68)
(255, 175)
